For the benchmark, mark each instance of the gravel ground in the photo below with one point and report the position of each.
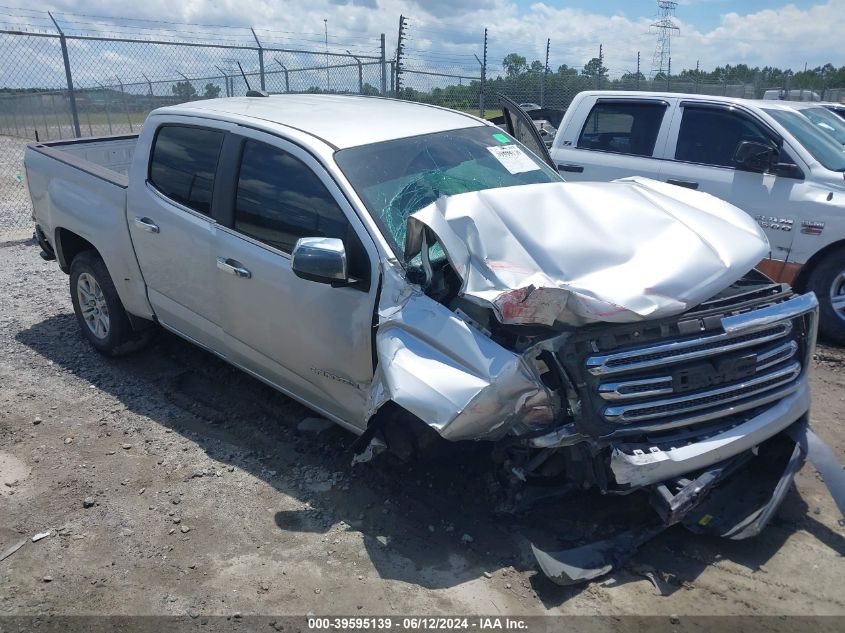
(171, 483)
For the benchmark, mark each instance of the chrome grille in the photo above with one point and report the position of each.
(757, 359)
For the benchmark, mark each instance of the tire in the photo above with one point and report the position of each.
(98, 309)
(827, 280)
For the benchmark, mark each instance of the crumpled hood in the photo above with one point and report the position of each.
(576, 253)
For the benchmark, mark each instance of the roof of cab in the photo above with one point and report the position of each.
(340, 120)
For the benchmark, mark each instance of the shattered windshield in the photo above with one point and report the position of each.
(396, 178)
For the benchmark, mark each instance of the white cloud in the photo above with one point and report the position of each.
(447, 33)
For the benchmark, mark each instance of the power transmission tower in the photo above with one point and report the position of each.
(400, 49)
(664, 25)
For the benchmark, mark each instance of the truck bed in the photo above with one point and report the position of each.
(78, 191)
(107, 157)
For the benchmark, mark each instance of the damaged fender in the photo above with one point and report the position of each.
(578, 253)
(444, 371)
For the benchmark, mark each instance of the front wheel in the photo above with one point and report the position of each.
(98, 309)
(827, 280)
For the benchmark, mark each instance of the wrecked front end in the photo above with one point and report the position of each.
(587, 363)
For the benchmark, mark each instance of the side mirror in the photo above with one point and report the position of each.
(320, 259)
(757, 157)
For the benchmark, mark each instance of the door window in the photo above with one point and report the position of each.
(183, 163)
(710, 136)
(280, 199)
(623, 127)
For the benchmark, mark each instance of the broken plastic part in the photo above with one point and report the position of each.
(587, 562)
(375, 447)
(576, 253)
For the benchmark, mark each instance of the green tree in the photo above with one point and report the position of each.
(594, 68)
(370, 90)
(184, 90)
(514, 65)
(565, 71)
(212, 91)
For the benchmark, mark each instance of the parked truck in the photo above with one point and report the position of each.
(424, 280)
(762, 156)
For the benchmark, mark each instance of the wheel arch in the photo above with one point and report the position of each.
(68, 245)
(800, 282)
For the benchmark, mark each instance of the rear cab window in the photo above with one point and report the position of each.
(623, 127)
(183, 163)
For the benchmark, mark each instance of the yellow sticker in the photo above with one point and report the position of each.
(705, 519)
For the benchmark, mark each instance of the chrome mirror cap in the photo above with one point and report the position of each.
(320, 259)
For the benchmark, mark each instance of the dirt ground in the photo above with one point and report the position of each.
(171, 483)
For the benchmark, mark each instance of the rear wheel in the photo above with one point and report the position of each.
(98, 309)
(827, 280)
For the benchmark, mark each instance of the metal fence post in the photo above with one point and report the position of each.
(260, 58)
(68, 77)
(383, 68)
(284, 70)
(360, 73)
(125, 107)
(225, 79)
(108, 104)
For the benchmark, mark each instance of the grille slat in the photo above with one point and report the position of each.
(662, 385)
(682, 405)
(656, 356)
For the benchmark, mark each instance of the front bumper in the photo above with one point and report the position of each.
(637, 467)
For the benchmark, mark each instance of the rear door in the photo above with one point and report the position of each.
(173, 232)
(620, 137)
(704, 139)
(307, 338)
(522, 128)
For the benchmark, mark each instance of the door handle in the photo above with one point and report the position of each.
(578, 169)
(147, 225)
(233, 268)
(689, 184)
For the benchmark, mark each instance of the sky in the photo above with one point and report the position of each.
(450, 32)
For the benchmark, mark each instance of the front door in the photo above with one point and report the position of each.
(305, 337)
(173, 232)
(707, 137)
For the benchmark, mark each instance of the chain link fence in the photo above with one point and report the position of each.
(62, 85)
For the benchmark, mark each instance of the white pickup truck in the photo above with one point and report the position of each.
(762, 156)
(422, 279)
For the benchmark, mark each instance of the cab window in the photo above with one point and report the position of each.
(623, 127)
(710, 136)
(183, 163)
(280, 199)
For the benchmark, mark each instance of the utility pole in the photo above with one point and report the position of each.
(326, 30)
(71, 95)
(697, 77)
(400, 49)
(601, 65)
(638, 70)
(483, 63)
(545, 73)
(383, 68)
(669, 74)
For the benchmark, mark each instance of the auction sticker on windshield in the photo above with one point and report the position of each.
(513, 158)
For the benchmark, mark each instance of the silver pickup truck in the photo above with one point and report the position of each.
(423, 279)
